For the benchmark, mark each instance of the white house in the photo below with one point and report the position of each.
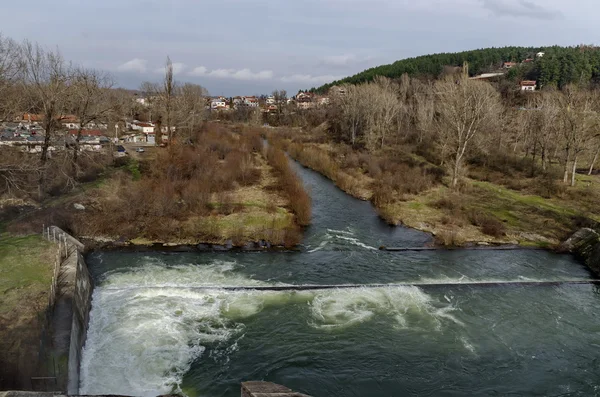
(271, 100)
(146, 128)
(528, 85)
(540, 54)
(218, 103)
(251, 101)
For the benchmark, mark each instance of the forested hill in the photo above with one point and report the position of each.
(559, 65)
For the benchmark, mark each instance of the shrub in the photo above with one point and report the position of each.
(291, 185)
(450, 238)
(548, 185)
(493, 227)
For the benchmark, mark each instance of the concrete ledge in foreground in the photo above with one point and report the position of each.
(267, 389)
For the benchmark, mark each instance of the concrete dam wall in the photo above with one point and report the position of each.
(72, 308)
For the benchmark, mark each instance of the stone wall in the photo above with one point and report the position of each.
(585, 244)
(72, 308)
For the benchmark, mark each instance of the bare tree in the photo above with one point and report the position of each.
(280, 97)
(168, 98)
(47, 81)
(423, 111)
(90, 101)
(352, 114)
(9, 73)
(386, 108)
(465, 108)
(190, 107)
(578, 122)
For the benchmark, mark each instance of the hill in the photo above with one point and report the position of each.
(558, 67)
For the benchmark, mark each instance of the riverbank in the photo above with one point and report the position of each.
(489, 208)
(26, 268)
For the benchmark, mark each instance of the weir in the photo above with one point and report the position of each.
(525, 283)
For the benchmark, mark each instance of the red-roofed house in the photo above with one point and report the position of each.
(528, 85)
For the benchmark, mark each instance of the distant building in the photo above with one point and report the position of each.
(540, 54)
(528, 85)
(146, 128)
(32, 118)
(218, 104)
(509, 65)
(304, 100)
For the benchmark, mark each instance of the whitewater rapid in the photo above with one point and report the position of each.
(148, 324)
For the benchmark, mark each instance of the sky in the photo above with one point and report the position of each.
(252, 47)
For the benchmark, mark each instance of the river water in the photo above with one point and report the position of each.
(161, 322)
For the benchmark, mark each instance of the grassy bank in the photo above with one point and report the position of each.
(26, 265)
(490, 206)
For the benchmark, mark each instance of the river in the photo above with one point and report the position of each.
(161, 322)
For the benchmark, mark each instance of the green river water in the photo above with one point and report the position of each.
(162, 322)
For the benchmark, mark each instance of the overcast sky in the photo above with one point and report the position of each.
(244, 47)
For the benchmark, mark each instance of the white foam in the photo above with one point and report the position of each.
(320, 247)
(468, 345)
(147, 326)
(355, 241)
(350, 233)
(157, 274)
(408, 306)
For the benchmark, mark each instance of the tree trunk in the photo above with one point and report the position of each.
(574, 171)
(594, 161)
(48, 133)
(566, 174)
(544, 159)
(76, 150)
(455, 173)
(533, 160)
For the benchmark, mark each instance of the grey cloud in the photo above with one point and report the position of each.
(520, 8)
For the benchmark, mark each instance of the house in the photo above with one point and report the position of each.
(528, 60)
(245, 101)
(304, 100)
(540, 54)
(528, 85)
(270, 100)
(509, 65)
(251, 101)
(218, 104)
(146, 128)
(32, 118)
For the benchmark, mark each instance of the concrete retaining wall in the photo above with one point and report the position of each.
(72, 309)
